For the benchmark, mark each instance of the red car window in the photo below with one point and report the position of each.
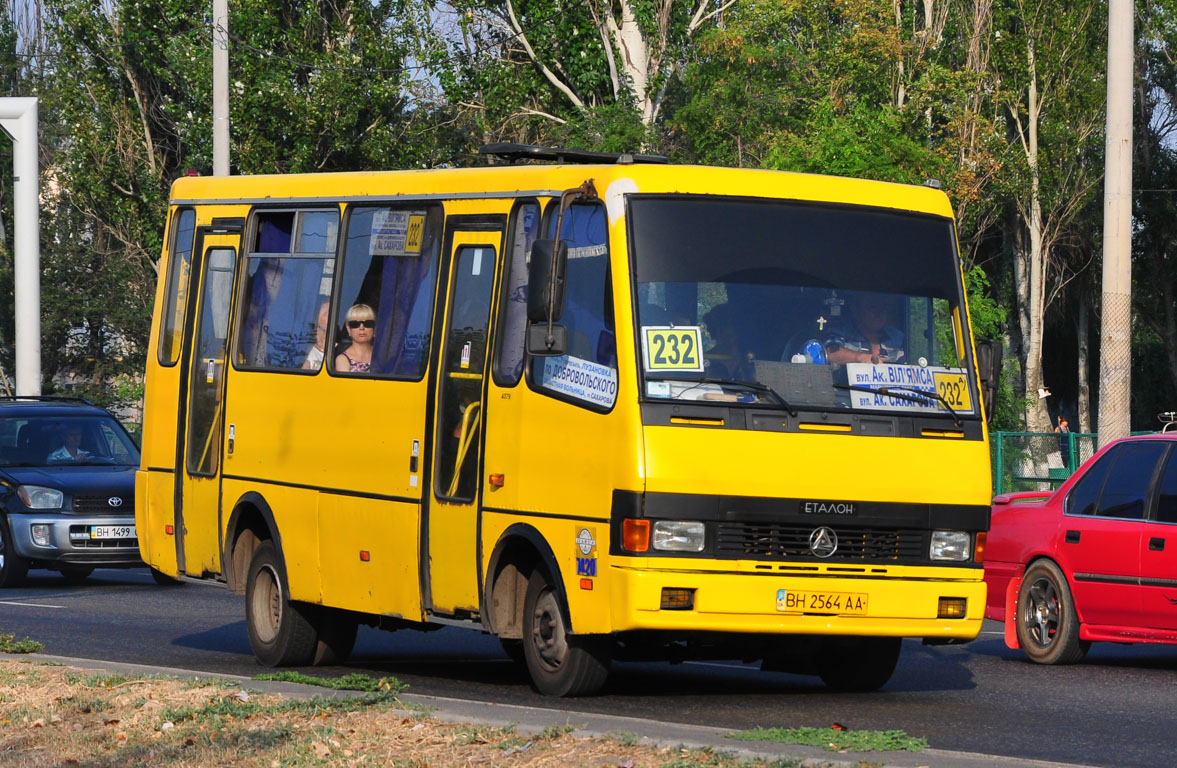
(1167, 501)
(1125, 494)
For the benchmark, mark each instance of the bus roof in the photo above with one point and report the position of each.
(510, 181)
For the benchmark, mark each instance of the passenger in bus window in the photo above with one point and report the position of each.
(361, 329)
(867, 338)
(315, 357)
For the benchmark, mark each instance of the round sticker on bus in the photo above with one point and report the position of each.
(672, 348)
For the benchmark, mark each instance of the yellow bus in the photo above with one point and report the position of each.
(599, 406)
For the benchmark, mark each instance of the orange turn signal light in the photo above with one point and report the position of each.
(979, 549)
(497, 480)
(586, 584)
(635, 535)
(169, 530)
(364, 556)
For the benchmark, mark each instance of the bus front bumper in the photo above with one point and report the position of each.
(906, 605)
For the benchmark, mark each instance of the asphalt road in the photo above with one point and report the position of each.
(1115, 709)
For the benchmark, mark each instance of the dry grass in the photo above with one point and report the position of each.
(58, 716)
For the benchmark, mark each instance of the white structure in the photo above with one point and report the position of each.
(18, 118)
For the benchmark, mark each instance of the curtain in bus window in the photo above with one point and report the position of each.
(282, 296)
(398, 347)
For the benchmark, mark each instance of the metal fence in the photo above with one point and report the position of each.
(1037, 461)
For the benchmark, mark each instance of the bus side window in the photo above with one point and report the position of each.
(171, 328)
(513, 328)
(289, 270)
(587, 375)
(390, 264)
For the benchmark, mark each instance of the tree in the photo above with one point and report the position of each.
(1049, 59)
(314, 87)
(531, 68)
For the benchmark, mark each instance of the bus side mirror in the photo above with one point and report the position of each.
(542, 344)
(989, 372)
(545, 280)
(545, 298)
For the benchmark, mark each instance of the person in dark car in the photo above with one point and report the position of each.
(71, 449)
(64, 507)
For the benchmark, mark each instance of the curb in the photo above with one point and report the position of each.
(655, 733)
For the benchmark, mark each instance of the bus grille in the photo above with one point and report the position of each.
(781, 541)
(100, 505)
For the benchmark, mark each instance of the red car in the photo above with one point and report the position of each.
(1095, 560)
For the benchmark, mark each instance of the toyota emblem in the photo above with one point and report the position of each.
(115, 501)
(823, 542)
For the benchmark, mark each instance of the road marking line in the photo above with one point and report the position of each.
(30, 605)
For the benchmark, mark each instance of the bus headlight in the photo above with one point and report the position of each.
(678, 536)
(950, 545)
(38, 497)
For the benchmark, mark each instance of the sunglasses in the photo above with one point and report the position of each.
(358, 323)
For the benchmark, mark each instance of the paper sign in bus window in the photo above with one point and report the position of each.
(672, 348)
(396, 233)
(908, 380)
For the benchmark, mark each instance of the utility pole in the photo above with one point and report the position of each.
(18, 118)
(220, 87)
(1115, 337)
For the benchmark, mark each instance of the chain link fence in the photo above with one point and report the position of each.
(1037, 461)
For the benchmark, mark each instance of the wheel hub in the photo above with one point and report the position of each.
(548, 634)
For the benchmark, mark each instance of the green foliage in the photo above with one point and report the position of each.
(836, 740)
(9, 644)
(355, 681)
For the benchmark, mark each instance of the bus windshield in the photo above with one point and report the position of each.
(814, 306)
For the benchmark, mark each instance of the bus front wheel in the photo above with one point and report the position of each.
(560, 664)
(857, 663)
(280, 632)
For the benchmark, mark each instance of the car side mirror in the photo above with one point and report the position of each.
(989, 354)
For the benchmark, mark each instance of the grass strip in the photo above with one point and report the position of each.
(834, 740)
(353, 682)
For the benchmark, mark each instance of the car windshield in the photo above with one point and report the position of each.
(823, 307)
(43, 441)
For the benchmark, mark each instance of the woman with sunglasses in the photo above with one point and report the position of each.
(361, 328)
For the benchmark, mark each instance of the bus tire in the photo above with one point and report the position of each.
(560, 664)
(280, 632)
(1047, 624)
(13, 567)
(337, 637)
(857, 663)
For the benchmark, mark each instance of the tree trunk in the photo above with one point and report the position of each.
(1084, 372)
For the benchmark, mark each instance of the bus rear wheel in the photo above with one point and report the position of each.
(280, 631)
(857, 663)
(560, 664)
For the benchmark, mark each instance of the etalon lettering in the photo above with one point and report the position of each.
(828, 507)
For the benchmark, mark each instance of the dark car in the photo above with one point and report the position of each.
(67, 489)
(1095, 560)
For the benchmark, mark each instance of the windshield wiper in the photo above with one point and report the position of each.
(755, 386)
(898, 393)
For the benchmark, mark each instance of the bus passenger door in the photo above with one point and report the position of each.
(458, 422)
(198, 529)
